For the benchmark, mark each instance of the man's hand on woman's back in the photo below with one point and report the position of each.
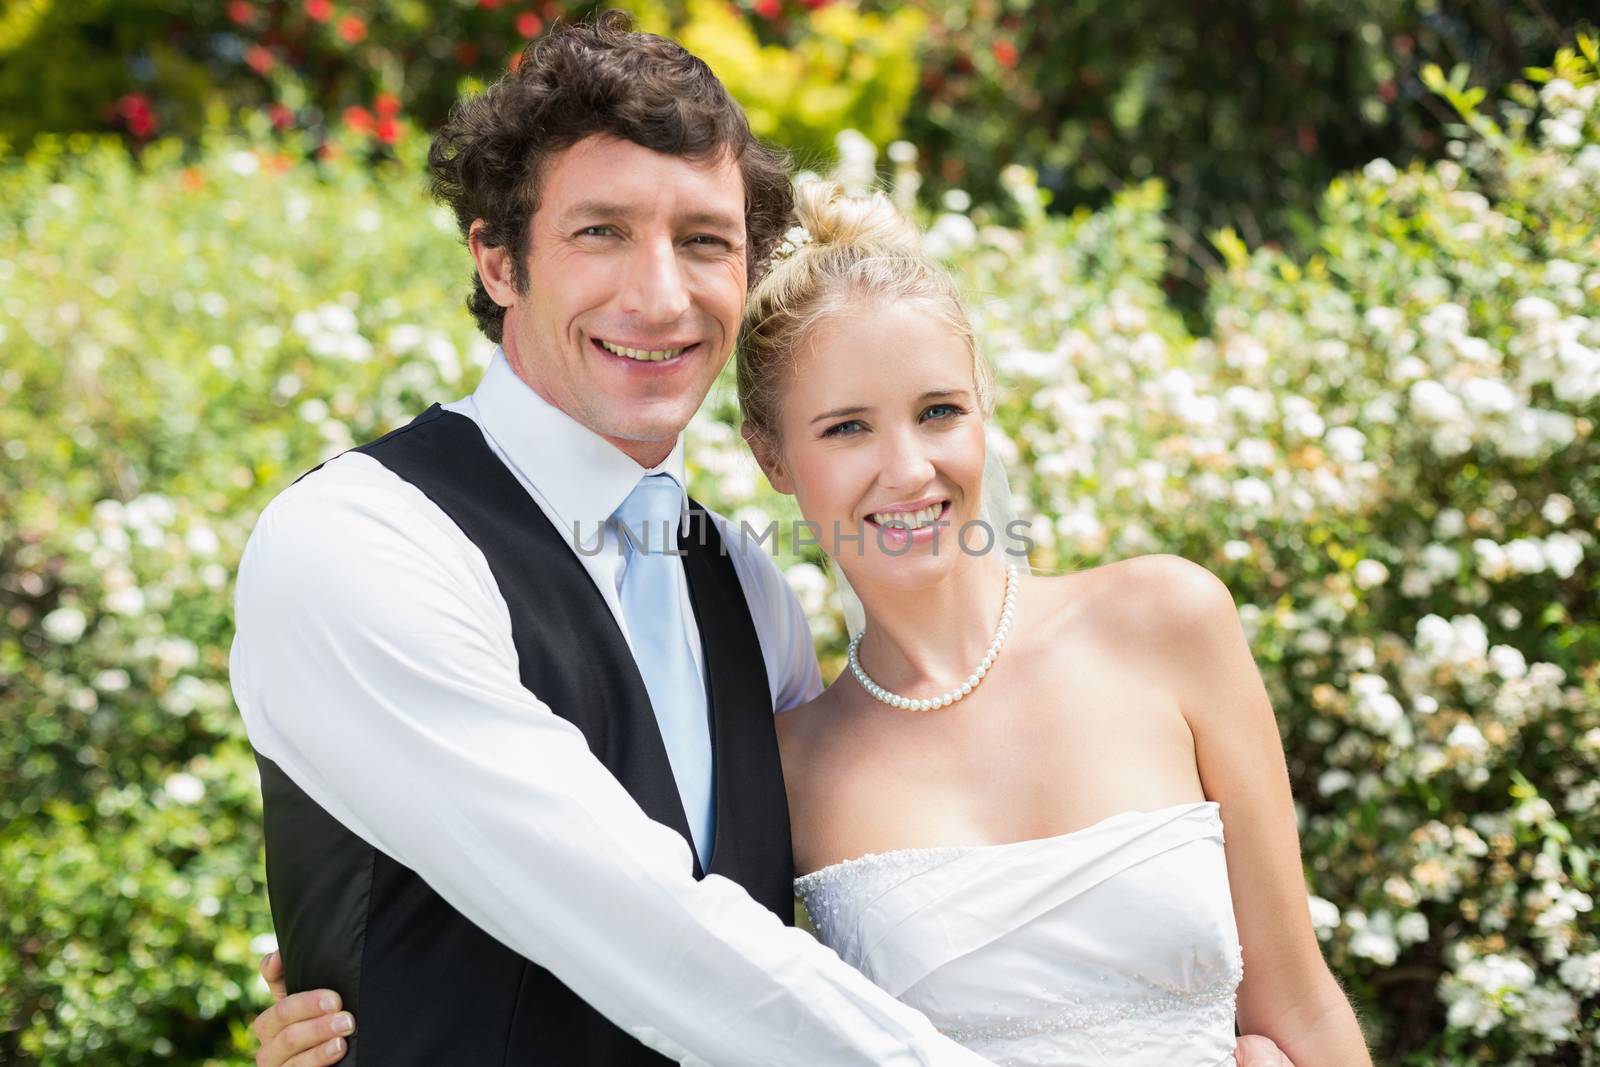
(304, 1030)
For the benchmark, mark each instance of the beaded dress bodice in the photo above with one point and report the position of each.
(1111, 946)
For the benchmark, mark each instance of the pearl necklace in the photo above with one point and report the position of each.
(943, 700)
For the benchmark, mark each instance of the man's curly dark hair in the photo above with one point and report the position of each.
(599, 77)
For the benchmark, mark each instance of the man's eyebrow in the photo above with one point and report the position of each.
(608, 209)
(602, 208)
(714, 219)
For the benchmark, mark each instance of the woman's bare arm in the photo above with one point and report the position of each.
(1288, 994)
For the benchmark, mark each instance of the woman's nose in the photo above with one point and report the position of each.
(907, 463)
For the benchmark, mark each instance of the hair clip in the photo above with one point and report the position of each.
(793, 240)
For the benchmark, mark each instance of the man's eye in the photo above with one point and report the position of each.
(708, 240)
(596, 231)
(842, 429)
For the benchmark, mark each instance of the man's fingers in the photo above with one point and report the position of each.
(272, 974)
(1253, 1050)
(304, 1044)
(298, 1008)
(332, 1052)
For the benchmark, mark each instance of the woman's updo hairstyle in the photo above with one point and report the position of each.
(861, 251)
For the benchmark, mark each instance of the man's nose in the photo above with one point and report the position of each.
(654, 287)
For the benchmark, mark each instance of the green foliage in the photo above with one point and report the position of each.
(1245, 110)
(161, 67)
(844, 70)
(1386, 447)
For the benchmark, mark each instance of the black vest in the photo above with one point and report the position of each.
(427, 986)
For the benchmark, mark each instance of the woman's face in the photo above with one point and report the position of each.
(882, 436)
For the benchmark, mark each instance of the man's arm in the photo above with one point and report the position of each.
(375, 666)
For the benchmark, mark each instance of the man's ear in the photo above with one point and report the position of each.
(494, 266)
(767, 456)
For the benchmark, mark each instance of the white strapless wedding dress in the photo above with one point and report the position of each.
(1111, 946)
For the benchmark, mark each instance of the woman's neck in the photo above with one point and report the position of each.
(927, 640)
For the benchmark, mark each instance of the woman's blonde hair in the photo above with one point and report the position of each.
(861, 250)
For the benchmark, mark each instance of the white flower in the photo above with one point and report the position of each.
(1346, 443)
(125, 601)
(1581, 974)
(1252, 493)
(1370, 573)
(902, 152)
(1557, 509)
(184, 788)
(1432, 401)
(1469, 739)
(1412, 928)
(1334, 780)
(1380, 171)
(113, 680)
(1324, 915)
(64, 625)
(1533, 310)
(1563, 553)
(1507, 662)
(1376, 940)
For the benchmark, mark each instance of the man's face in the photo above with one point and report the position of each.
(637, 278)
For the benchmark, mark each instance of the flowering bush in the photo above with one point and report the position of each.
(361, 73)
(1386, 448)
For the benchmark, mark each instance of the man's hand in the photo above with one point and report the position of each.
(1254, 1050)
(305, 1030)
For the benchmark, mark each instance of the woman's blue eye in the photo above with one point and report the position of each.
(948, 409)
(840, 429)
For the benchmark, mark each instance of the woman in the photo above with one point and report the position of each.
(1052, 813)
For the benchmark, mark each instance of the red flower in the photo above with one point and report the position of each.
(319, 10)
(358, 119)
(282, 116)
(259, 59)
(529, 24)
(768, 9)
(387, 105)
(352, 29)
(241, 11)
(135, 111)
(489, 5)
(1005, 54)
(388, 130)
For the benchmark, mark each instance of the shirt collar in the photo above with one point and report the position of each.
(581, 475)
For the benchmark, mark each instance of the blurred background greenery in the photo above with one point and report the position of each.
(1308, 292)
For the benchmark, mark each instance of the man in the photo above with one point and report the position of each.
(523, 802)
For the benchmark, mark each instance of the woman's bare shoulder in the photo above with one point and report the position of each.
(803, 728)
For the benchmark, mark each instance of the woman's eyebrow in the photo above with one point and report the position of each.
(838, 413)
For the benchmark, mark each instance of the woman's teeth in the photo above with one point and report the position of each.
(907, 520)
(647, 355)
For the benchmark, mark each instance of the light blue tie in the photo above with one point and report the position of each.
(653, 607)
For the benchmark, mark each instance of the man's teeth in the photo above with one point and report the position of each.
(908, 520)
(648, 355)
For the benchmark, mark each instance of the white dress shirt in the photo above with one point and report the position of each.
(373, 662)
